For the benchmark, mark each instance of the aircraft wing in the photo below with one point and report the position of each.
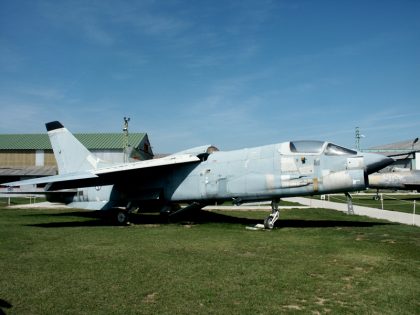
(107, 175)
(52, 179)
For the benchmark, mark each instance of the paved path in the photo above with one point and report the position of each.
(42, 205)
(393, 216)
(252, 207)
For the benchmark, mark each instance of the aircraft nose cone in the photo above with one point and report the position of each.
(375, 162)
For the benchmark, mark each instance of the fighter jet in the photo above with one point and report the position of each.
(397, 176)
(203, 175)
(398, 180)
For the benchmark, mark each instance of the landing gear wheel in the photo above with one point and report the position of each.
(122, 217)
(268, 223)
(274, 215)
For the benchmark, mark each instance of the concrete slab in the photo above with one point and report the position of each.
(251, 207)
(38, 205)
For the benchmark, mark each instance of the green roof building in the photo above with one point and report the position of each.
(30, 155)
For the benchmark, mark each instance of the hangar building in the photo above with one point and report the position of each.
(30, 155)
(403, 152)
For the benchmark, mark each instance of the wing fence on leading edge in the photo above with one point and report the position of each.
(107, 175)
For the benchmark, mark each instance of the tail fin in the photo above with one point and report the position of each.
(70, 154)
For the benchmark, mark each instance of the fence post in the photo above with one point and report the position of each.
(414, 210)
(382, 201)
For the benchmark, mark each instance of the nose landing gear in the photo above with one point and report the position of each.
(274, 215)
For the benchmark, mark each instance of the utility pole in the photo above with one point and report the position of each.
(357, 139)
(358, 136)
(125, 139)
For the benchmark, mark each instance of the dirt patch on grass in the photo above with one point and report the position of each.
(150, 298)
(293, 307)
(320, 301)
(389, 241)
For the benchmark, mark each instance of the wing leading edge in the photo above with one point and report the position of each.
(104, 176)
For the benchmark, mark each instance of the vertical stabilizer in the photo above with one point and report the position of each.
(70, 154)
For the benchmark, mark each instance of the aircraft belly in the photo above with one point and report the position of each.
(93, 198)
(91, 205)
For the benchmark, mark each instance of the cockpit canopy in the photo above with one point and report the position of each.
(317, 147)
(333, 149)
(306, 146)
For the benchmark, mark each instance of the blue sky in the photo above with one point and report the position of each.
(231, 73)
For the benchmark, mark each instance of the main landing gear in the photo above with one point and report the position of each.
(377, 197)
(274, 215)
(349, 203)
(122, 215)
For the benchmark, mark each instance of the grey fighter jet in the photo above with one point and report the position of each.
(202, 176)
(396, 177)
(398, 180)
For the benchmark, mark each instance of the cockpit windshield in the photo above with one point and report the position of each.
(306, 146)
(333, 149)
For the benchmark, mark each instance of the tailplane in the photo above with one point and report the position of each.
(71, 155)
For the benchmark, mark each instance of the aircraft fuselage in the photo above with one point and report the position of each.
(261, 173)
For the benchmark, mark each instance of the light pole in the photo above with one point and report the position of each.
(125, 140)
(358, 136)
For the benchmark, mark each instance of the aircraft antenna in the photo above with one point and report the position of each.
(125, 139)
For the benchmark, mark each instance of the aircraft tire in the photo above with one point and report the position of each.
(121, 217)
(268, 224)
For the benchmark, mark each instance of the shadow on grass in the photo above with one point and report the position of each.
(4, 304)
(92, 219)
(98, 218)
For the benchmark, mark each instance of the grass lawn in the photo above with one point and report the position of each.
(401, 203)
(315, 261)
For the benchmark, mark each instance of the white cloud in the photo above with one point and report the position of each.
(44, 93)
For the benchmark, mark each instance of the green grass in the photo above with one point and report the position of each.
(401, 203)
(314, 261)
